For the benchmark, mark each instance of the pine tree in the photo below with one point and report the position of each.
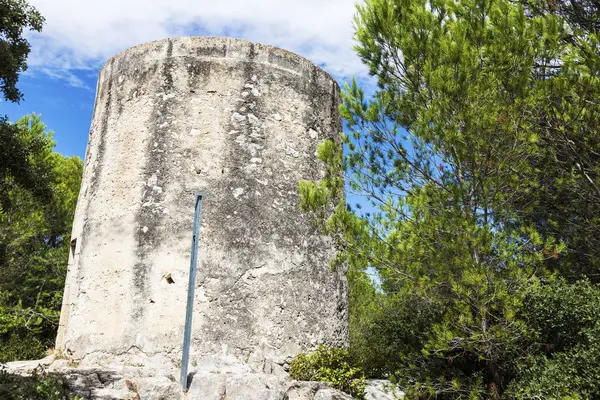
(464, 153)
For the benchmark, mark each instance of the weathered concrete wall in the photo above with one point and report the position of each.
(242, 122)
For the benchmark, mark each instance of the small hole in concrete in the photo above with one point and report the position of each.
(169, 279)
(73, 246)
(151, 301)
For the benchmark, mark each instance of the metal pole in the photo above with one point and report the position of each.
(187, 333)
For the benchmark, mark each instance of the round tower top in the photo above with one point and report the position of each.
(215, 47)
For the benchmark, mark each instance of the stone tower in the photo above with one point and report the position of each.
(241, 122)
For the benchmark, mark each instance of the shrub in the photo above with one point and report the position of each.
(331, 365)
(21, 346)
(565, 318)
(38, 386)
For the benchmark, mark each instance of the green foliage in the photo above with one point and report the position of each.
(582, 14)
(565, 320)
(38, 192)
(331, 365)
(21, 344)
(15, 16)
(389, 332)
(38, 386)
(479, 156)
(564, 200)
(26, 149)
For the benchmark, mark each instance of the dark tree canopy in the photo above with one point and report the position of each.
(581, 14)
(15, 17)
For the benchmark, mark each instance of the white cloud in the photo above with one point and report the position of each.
(82, 34)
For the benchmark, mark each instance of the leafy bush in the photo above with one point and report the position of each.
(331, 365)
(565, 319)
(388, 333)
(38, 386)
(21, 346)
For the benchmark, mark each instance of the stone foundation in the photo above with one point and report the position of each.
(154, 381)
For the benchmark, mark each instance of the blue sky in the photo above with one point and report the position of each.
(80, 35)
(65, 109)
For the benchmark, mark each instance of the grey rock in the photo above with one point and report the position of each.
(152, 383)
(378, 389)
(29, 365)
(331, 394)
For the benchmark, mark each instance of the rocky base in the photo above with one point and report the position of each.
(131, 382)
